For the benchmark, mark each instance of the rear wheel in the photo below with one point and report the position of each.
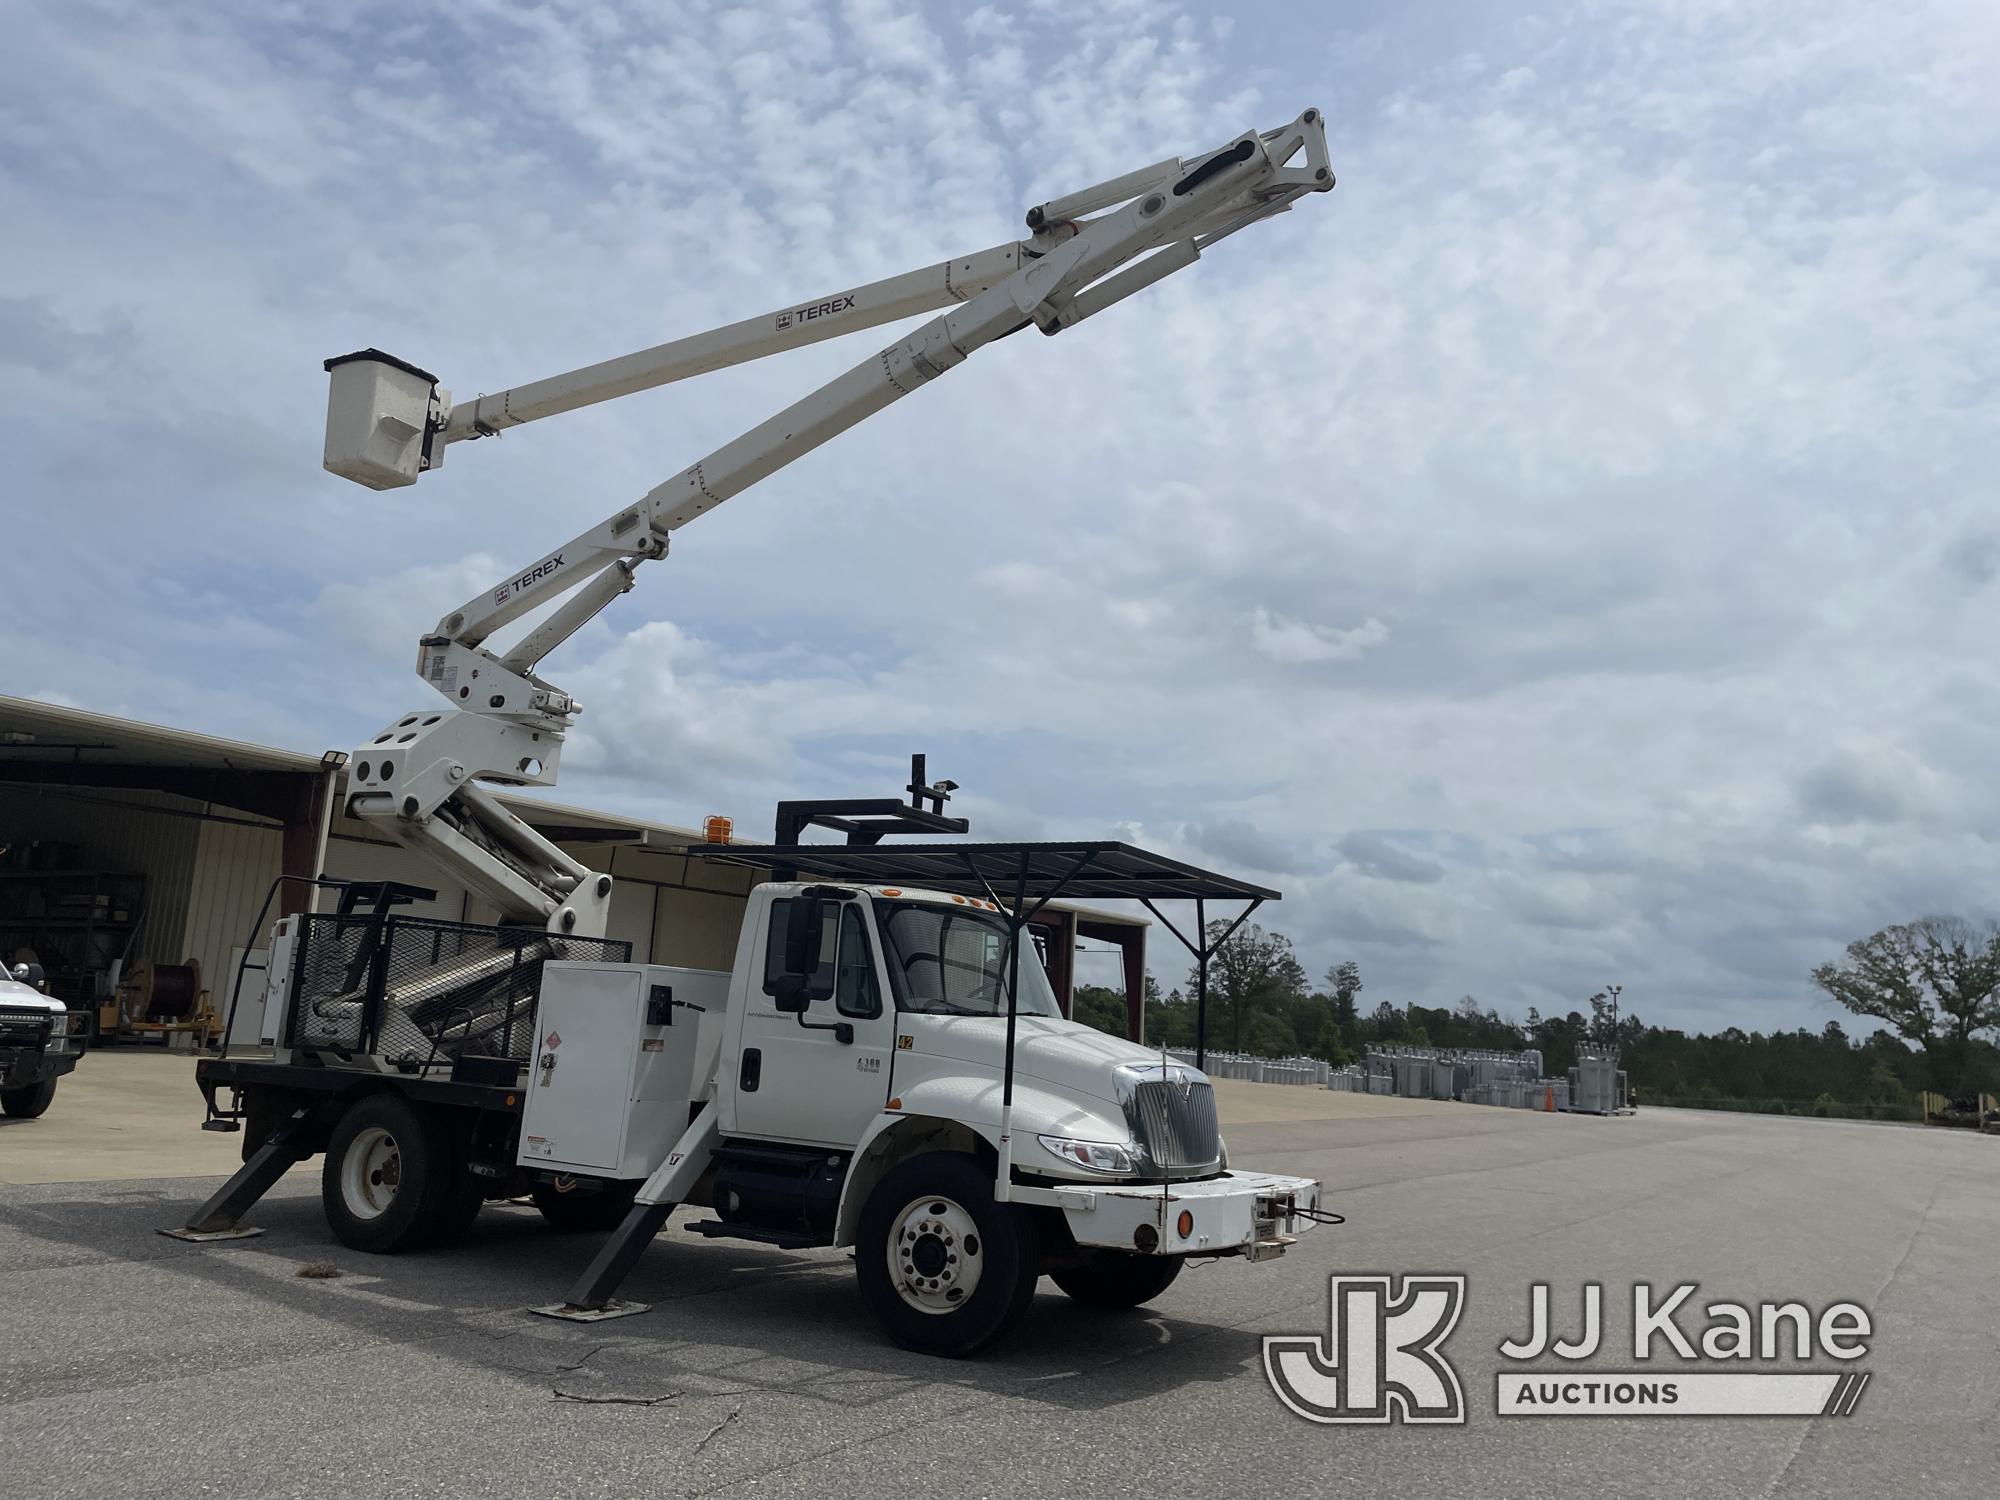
(466, 1198)
(463, 1193)
(387, 1178)
(29, 1100)
(1117, 1278)
(572, 1208)
(945, 1268)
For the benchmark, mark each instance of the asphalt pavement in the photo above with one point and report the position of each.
(132, 1363)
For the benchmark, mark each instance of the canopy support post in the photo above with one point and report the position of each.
(1018, 915)
(1202, 953)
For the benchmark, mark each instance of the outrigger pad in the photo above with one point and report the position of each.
(203, 1236)
(569, 1312)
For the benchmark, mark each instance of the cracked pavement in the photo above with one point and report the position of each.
(133, 1363)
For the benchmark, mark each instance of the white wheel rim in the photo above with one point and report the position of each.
(371, 1173)
(935, 1255)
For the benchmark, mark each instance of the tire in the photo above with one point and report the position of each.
(387, 1178)
(462, 1193)
(454, 1220)
(30, 1101)
(582, 1211)
(1118, 1279)
(935, 1213)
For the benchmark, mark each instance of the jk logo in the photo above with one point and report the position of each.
(1379, 1361)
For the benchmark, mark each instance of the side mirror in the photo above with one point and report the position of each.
(795, 989)
(803, 920)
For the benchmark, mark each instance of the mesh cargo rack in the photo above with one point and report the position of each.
(418, 990)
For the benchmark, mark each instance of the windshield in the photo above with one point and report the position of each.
(949, 961)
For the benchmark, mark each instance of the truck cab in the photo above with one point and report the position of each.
(39, 1042)
(872, 1086)
(906, 1019)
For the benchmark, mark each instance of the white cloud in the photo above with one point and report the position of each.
(1384, 859)
(1640, 373)
(388, 613)
(1298, 641)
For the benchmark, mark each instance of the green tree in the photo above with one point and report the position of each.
(1935, 982)
(1169, 1020)
(1254, 973)
(1331, 1044)
(1099, 1007)
(1343, 983)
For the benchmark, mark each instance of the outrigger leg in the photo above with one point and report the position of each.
(591, 1300)
(221, 1217)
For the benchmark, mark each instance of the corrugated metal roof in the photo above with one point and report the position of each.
(46, 733)
(32, 730)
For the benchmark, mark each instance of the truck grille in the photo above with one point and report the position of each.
(23, 1028)
(1174, 1120)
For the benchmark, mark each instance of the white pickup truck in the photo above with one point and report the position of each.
(39, 1042)
(846, 1083)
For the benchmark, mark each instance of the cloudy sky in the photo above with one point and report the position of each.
(1565, 553)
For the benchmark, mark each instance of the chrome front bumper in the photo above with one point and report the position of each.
(1254, 1214)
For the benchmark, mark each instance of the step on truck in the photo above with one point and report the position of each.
(884, 1066)
(1116, 1172)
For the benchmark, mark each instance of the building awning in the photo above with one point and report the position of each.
(1017, 873)
(53, 735)
(53, 745)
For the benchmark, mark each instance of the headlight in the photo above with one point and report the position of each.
(1097, 1156)
(59, 1025)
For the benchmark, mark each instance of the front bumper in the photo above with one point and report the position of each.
(1254, 1214)
(21, 1066)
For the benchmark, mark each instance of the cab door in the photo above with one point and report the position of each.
(795, 1079)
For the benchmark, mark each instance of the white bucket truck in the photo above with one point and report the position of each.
(880, 1068)
(884, 1066)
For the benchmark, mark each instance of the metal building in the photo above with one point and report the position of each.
(127, 847)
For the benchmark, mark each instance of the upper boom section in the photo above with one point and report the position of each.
(887, 301)
(426, 776)
(388, 421)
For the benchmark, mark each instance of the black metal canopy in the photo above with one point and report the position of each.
(1021, 879)
(1100, 870)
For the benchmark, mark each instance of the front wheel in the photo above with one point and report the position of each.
(28, 1101)
(1118, 1279)
(945, 1268)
